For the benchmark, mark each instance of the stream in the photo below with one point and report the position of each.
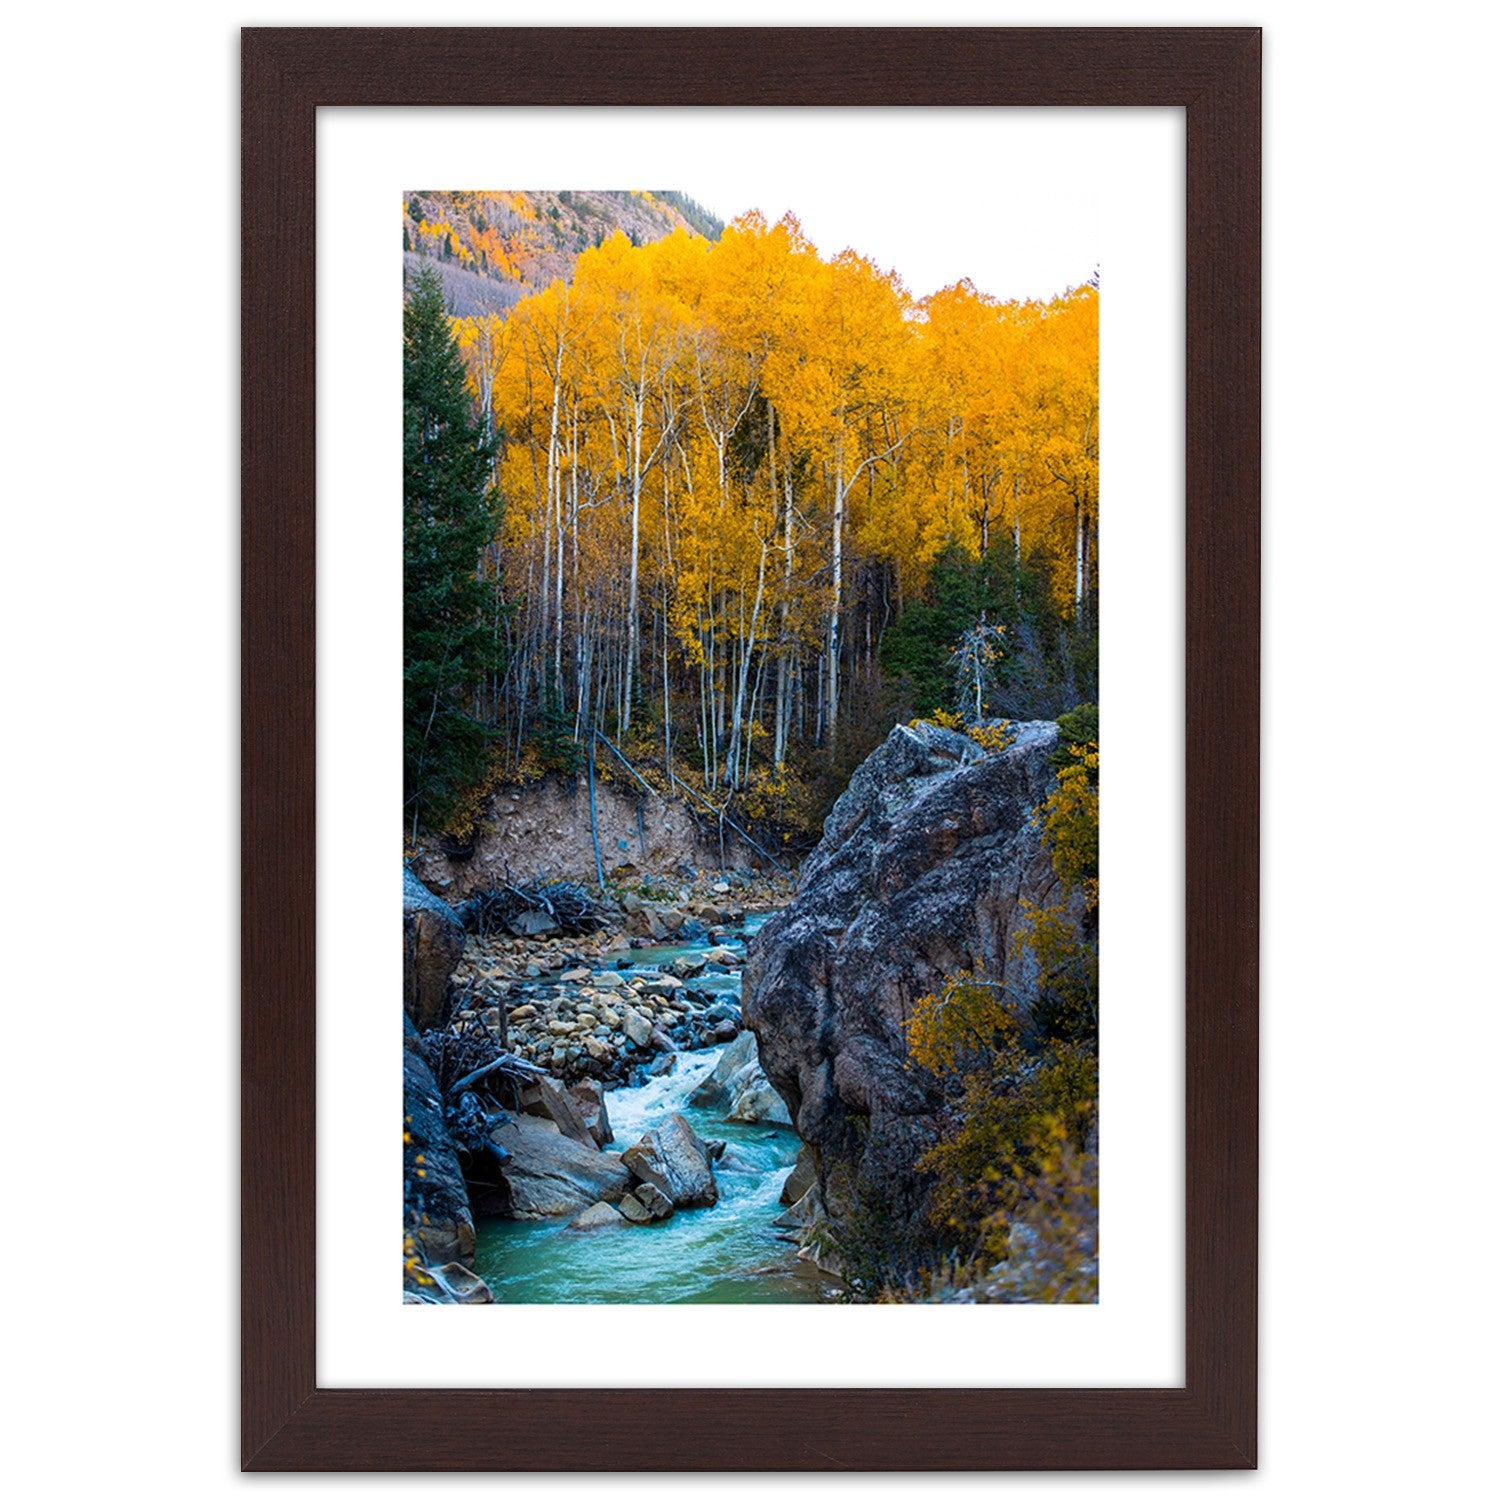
(728, 1253)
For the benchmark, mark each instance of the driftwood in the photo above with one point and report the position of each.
(469, 1055)
(516, 1069)
(504, 908)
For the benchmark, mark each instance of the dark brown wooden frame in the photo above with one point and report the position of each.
(288, 1423)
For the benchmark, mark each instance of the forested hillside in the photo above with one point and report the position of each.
(490, 249)
(755, 505)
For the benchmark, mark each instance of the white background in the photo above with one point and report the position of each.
(119, 600)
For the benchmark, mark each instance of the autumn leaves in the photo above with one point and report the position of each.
(726, 466)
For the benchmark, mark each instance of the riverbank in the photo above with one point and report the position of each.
(624, 1065)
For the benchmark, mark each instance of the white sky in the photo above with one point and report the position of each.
(935, 195)
(1041, 262)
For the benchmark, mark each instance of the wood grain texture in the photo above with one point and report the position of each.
(287, 1422)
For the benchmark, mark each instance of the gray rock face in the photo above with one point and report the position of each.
(437, 1213)
(434, 943)
(673, 1160)
(921, 871)
(800, 1178)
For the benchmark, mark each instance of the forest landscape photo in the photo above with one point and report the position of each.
(751, 747)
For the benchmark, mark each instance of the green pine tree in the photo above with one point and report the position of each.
(451, 514)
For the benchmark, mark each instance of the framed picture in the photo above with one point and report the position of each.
(1153, 1366)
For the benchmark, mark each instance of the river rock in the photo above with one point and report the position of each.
(689, 965)
(644, 922)
(549, 1174)
(674, 1160)
(447, 1285)
(714, 1090)
(433, 940)
(599, 1216)
(438, 1218)
(608, 979)
(589, 1098)
(922, 870)
(662, 986)
(756, 1102)
(452, 1283)
(548, 1102)
(637, 1028)
(646, 1204)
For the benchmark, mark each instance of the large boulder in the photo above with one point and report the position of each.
(439, 1221)
(448, 1284)
(738, 1085)
(546, 1101)
(715, 1089)
(923, 867)
(672, 1159)
(756, 1102)
(548, 1173)
(434, 944)
(646, 1204)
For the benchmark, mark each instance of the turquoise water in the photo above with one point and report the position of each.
(727, 1253)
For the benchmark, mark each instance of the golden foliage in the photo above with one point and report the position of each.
(943, 719)
(1071, 818)
(993, 737)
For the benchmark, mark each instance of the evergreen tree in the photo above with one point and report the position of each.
(451, 513)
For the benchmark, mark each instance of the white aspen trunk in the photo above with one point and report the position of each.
(632, 624)
(736, 773)
(757, 693)
(703, 670)
(784, 660)
(838, 601)
(666, 622)
(1077, 554)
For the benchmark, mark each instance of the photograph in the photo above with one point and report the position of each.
(751, 795)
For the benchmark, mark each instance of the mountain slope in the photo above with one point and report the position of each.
(492, 248)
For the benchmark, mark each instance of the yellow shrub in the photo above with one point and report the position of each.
(993, 737)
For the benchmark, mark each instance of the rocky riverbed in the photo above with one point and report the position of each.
(619, 1092)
